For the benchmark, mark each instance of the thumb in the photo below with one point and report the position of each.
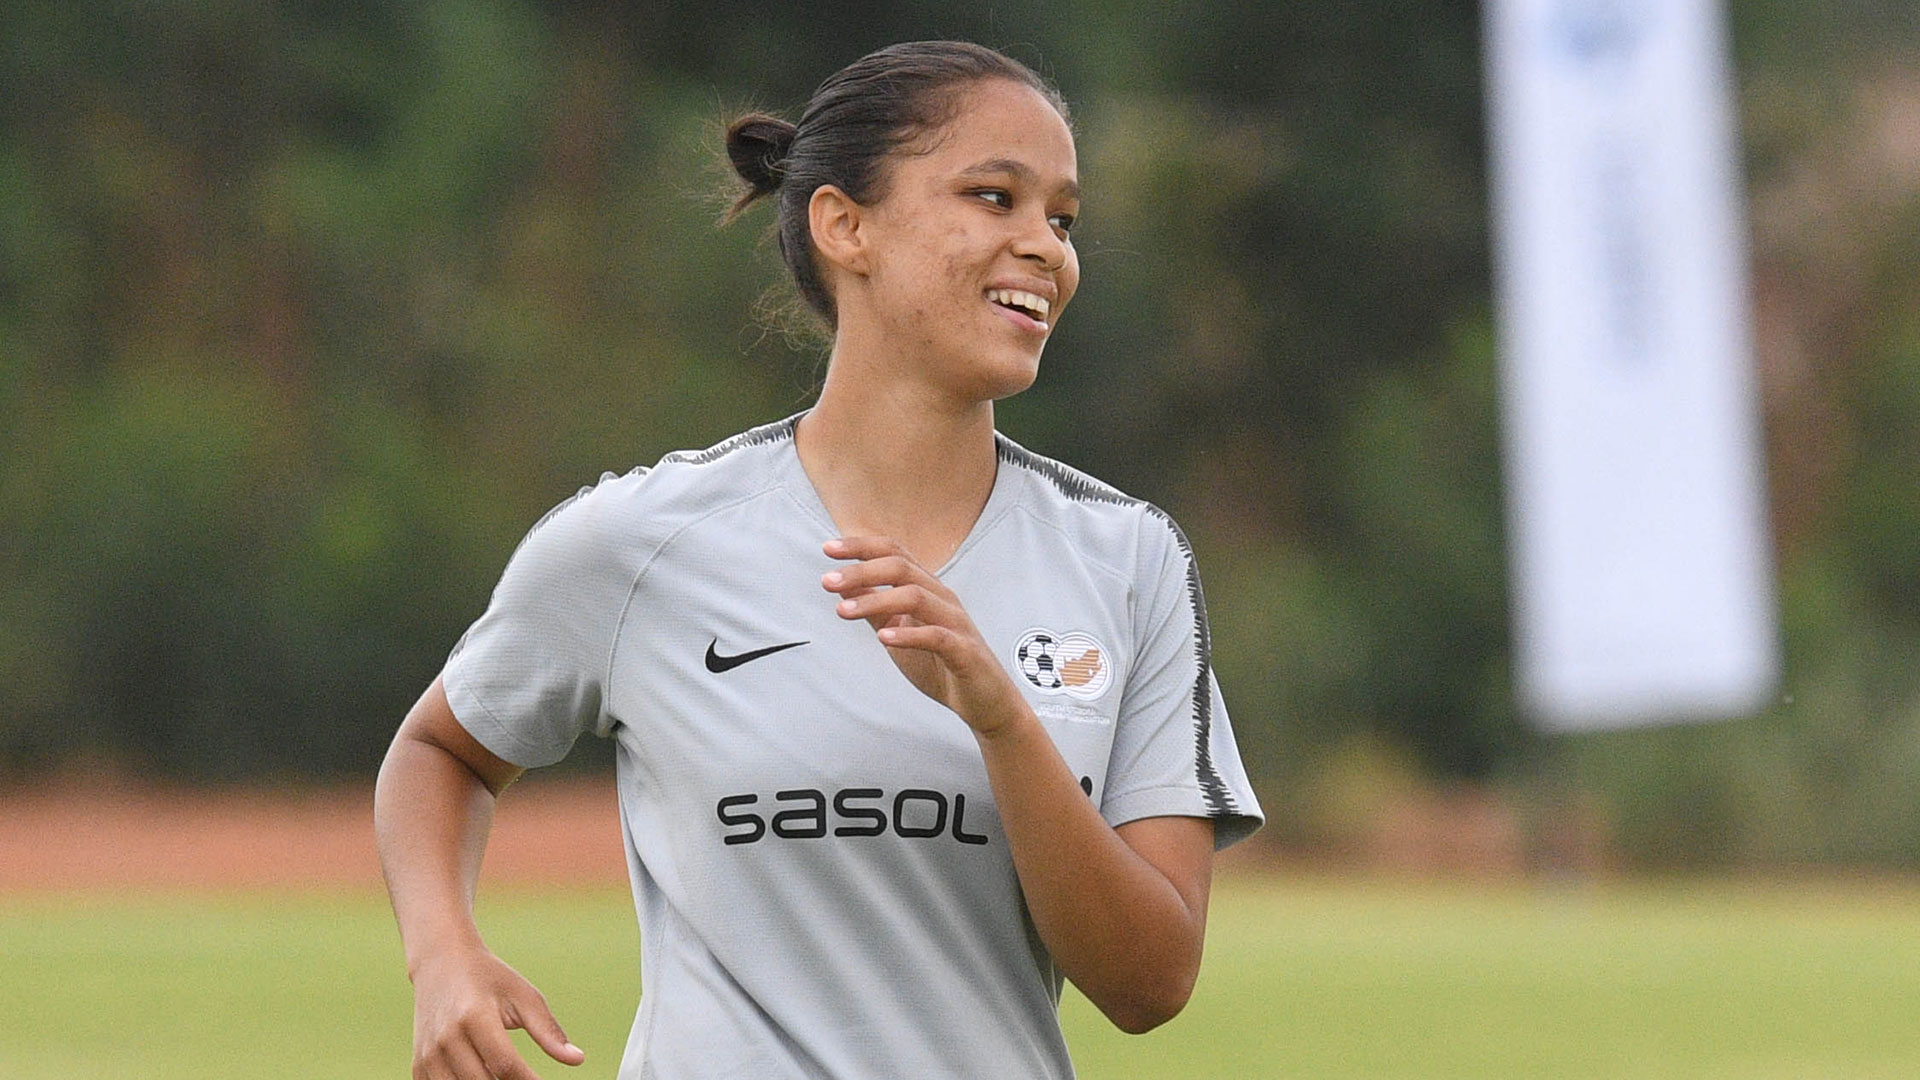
(537, 1020)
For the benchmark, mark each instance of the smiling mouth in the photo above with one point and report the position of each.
(1024, 303)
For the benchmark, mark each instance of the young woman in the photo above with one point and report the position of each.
(911, 723)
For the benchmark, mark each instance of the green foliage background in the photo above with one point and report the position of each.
(308, 310)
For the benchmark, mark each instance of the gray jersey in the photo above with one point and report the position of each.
(824, 887)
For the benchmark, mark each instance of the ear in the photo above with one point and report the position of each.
(834, 220)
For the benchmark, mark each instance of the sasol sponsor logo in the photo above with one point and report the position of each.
(803, 813)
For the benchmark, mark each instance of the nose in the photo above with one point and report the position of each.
(1039, 242)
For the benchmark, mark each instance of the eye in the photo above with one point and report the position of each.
(997, 197)
(1063, 222)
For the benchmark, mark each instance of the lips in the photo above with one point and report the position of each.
(1021, 320)
(1033, 305)
(1024, 308)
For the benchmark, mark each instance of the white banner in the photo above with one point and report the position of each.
(1636, 509)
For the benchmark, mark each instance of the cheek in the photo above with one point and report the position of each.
(957, 247)
(952, 267)
(952, 273)
(928, 269)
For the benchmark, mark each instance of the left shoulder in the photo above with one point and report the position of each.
(1127, 532)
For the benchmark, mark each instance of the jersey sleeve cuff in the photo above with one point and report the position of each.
(486, 728)
(1229, 827)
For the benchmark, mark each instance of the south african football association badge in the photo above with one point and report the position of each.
(1073, 663)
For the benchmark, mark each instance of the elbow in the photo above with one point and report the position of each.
(1149, 1006)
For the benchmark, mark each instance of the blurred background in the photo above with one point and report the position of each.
(308, 311)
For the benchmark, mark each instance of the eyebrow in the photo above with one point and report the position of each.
(1019, 170)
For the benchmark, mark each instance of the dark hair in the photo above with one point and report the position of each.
(862, 113)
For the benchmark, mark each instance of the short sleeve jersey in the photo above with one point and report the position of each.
(823, 885)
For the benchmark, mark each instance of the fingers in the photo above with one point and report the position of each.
(937, 639)
(878, 571)
(887, 604)
(455, 1058)
(481, 1050)
(887, 584)
(463, 1011)
(923, 625)
(537, 1020)
(866, 547)
(501, 1059)
(909, 607)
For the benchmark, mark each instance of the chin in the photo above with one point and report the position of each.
(988, 374)
(1006, 380)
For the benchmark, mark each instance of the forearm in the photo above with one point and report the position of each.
(431, 817)
(1116, 925)
(1111, 913)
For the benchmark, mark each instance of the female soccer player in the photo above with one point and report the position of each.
(911, 723)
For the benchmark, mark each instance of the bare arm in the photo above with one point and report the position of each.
(432, 810)
(1123, 911)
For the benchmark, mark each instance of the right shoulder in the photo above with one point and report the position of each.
(624, 517)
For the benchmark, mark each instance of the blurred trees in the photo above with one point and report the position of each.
(307, 311)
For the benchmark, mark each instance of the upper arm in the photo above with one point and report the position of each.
(1181, 849)
(530, 676)
(431, 721)
(1173, 747)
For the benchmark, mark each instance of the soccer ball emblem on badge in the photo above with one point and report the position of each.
(1035, 656)
(1073, 663)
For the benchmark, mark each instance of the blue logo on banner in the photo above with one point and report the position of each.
(1596, 32)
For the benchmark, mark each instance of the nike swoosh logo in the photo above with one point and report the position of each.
(717, 663)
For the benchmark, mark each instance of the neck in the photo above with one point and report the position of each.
(892, 457)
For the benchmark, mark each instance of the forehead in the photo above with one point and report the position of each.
(1000, 120)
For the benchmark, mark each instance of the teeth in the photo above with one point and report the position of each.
(1016, 298)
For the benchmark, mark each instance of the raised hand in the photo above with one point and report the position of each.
(924, 627)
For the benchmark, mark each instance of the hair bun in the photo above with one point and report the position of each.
(757, 144)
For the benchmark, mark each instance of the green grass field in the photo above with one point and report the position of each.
(1317, 979)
